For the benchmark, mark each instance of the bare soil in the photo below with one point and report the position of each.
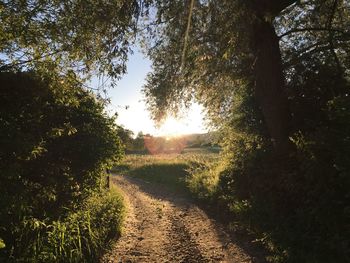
(163, 226)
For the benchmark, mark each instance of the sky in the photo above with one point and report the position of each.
(135, 117)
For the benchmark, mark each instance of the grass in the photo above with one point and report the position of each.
(81, 236)
(171, 170)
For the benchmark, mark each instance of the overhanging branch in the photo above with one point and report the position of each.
(309, 29)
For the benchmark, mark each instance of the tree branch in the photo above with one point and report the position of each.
(297, 30)
(310, 50)
(23, 62)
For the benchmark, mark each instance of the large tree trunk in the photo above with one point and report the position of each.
(270, 84)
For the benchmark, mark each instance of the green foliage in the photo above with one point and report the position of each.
(203, 178)
(298, 207)
(57, 143)
(139, 143)
(62, 36)
(126, 137)
(81, 236)
(2, 243)
(217, 58)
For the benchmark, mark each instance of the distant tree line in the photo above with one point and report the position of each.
(149, 144)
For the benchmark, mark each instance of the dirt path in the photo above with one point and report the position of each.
(165, 227)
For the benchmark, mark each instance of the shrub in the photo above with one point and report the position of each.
(297, 206)
(57, 143)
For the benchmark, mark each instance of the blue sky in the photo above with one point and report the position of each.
(136, 117)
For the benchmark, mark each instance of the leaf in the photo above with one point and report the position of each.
(2, 243)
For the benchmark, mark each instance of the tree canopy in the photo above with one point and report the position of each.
(235, 43)
(84, 37)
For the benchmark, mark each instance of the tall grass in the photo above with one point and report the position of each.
(81, 236)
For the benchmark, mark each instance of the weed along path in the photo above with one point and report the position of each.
(167, 227)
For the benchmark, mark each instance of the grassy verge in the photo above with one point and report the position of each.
(80, 236)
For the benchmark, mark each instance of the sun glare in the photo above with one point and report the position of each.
(173, 127)
(189, 123)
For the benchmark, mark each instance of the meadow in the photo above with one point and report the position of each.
(178, 172)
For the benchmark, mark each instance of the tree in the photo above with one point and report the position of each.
(217, 29)
(59, 37)
(139, 142)
(229, 44)
(268, 71)
(126, 136)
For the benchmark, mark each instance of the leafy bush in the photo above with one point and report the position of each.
(57, 143)
(203, 178)
(297, 206)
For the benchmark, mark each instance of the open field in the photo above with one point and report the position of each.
(171, 170)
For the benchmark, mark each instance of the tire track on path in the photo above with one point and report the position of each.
(167, 227)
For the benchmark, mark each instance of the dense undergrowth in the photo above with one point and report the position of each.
(56, 144)
(82, 235)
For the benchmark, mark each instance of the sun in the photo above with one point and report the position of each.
(189, 123)
(173, 127)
